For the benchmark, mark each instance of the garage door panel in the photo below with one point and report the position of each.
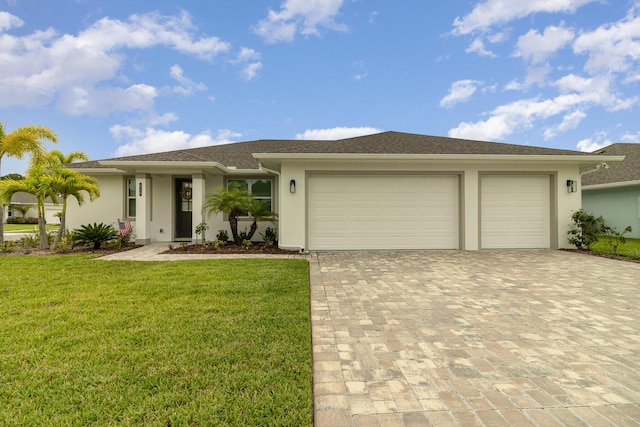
(383, 212)
(515, 211)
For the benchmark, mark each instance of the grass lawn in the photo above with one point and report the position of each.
(28, 228)
(215, 342)
(630, 248)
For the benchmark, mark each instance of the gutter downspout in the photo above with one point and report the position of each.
(275, 172)
(598, 167)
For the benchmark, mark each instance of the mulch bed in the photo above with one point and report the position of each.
(609, 256)
(229, 248)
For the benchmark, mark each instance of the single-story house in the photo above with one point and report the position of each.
(614, 191)
(389, 190)
(26, 199)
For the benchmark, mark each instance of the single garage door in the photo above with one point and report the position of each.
(515, 211)
(383, 212)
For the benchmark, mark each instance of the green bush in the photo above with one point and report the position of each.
(585, 229)
(95, 234)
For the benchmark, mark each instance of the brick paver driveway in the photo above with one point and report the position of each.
(475, 338)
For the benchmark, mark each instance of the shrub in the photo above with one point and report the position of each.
(95, 234)
(222, 236)
(269, 236)
(585, 229)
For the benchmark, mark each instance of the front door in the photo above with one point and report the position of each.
(184, 205)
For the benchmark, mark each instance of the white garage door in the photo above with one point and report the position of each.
(515, 211)
(383, 212)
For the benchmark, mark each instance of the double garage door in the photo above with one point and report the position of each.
(383, 212)
(423, 212)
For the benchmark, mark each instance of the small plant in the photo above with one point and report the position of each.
(246, 244)
(95, 234)
(244, 235)
(7, 246)
(29, 241)
(201, 229)
(217, 244)
(615, 237)
(222, 236)
(269, 236)
(66, 243)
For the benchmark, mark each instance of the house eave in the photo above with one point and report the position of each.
(610, 185)
(159, 166)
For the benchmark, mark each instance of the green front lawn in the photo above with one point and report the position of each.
(28, 228)
(216, 342)
(630, 248)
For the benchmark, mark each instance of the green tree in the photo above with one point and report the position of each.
(58, 158)
(23, 209)
(38, 183)
(259, 211)
(15, 176)
(24, 140)
(66, 182)
(233, 203)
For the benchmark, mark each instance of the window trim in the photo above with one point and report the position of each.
(128, 197)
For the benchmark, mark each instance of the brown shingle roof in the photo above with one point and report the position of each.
(407, 143)
(625, 171)
(239, 154)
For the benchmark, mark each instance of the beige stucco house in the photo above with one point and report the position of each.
(385, 191)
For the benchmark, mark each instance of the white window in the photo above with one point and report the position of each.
(260, 189)
(130, 202)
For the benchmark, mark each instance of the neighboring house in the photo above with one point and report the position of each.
(614, 192)
(21, 198)
(385, 191)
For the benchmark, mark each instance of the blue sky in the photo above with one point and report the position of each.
(116, 78)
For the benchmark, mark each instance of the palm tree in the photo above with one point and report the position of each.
(38, 183)
(57, 157)
(260, 212)
(233, 203)
(26, 139)
(66, 182)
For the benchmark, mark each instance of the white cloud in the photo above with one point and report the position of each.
(250, 71)
(517, 115)
(336, 133)
(249, 59)
(536, 48)
(569, 121)
(299, 16)
(150, 140)
(612, 47)
(491, 12)
(598, 141)
(8, 21)
(44, 67)
(100, 101)
(576, 94)
(631, 137)
(477, 46)
(187, 86)
(460, 91)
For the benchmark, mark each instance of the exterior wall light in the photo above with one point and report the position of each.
(292, 186)
(572, 186)
(139, 189)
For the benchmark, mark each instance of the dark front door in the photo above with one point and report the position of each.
(184, 204)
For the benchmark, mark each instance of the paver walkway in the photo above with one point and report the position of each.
(521, 338)
(153, 252)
